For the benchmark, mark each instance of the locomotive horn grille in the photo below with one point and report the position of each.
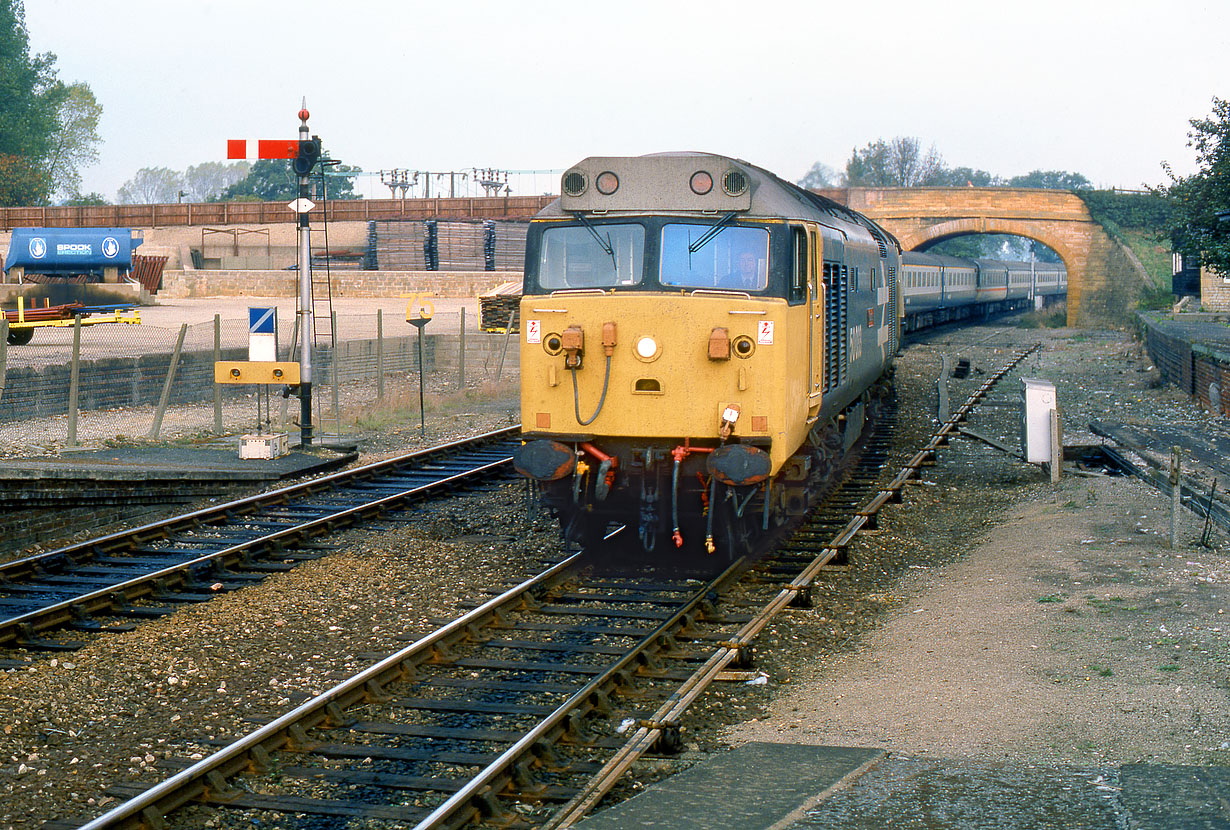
(575, 183)
(734, 183)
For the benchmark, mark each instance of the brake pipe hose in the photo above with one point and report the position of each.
(576, 395)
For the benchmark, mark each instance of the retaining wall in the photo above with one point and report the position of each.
(203, 284)
(1192, 352)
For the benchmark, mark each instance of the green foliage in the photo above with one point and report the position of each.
(152, 186)
(272, 180)
(87, 200)
(1156, 296)
(75, 141)
(30, 99)
(1051, 180)
(901, 163)
(967, 177)
(1148, 211)
(995, 246)
(1199, 200)
(21, 181)
(1051, 317)
(205, 182)
(897, 163)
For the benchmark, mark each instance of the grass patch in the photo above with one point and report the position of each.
(1051, 317)
(1152, 254)
(1168, 667)
(1052, 598)
(402, 407)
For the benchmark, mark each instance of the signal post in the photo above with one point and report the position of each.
(303, 155)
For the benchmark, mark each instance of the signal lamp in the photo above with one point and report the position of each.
(701, 183)
(646, 348)
(607, 183)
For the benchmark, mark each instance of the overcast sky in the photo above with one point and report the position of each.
(1102, 88)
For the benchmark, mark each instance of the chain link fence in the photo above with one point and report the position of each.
(119, 383)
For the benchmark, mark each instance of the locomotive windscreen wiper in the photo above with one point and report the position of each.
(713, 231)
(604, 244)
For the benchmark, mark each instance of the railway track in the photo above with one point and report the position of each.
(102, 585)
(526, 710)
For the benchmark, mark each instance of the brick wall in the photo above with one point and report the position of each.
(1171, 354)
(188, 284)
(1211, 377)
(1214, 291)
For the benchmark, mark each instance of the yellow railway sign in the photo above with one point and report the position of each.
(256, 371)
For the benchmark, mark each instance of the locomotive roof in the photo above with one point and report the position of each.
(662, 183)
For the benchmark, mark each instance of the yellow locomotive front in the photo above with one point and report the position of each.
(668, 369)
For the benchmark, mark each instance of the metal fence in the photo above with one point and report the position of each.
(107, 383)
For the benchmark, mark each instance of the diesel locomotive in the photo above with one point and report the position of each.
(701, 342)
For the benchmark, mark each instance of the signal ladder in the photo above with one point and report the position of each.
(328, 419)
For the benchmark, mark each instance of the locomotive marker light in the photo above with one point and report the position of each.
(303, 155)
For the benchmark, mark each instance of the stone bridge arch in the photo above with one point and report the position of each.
(1104, 278)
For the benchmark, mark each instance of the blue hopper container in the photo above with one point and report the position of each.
(71, 251)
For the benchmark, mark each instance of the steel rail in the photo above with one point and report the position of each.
(451, 812)
(163, 527)
(207, 779)
(646, 736)
(105, 600)
(209, 773)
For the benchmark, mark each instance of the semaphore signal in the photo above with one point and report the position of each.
(303, 154)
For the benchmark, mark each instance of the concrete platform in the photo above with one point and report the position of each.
(79, 492)
(757, 785)
(767, 786)
(162, 463)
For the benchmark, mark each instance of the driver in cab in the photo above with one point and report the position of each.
(746, 274)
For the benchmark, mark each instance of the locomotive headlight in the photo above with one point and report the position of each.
(646, 348)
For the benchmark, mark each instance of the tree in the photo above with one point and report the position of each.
(92, 199)
(818, 177)
(897, 163)
(30, 99)
(75, 141)
(1199, 201)
(271, 180)
(967, 177)
(1052, 180)
(151, 186)
(207, 181)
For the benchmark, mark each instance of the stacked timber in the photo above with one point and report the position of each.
(498, 307)
(446, 245)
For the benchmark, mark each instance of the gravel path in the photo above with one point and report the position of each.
(993, 616)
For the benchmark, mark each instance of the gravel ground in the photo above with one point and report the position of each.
(1017, 620)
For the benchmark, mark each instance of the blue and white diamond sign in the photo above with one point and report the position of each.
(263, 334)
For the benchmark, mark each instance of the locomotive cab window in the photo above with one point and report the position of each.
(597, 256)
(733, 257)
(801, 264)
